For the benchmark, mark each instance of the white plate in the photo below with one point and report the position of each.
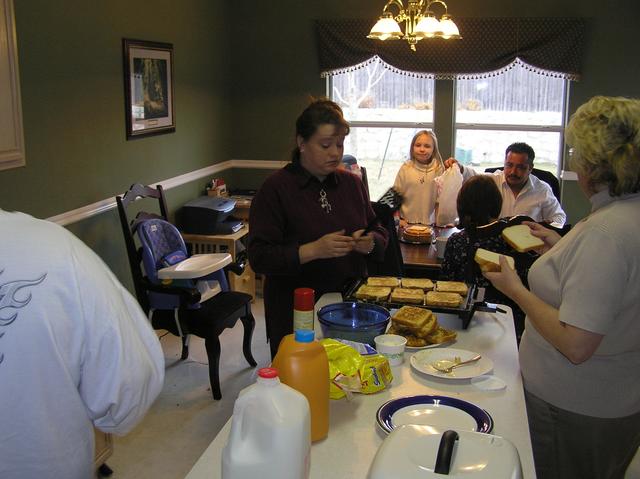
(438, 412)
(430, 346)
(422, 360)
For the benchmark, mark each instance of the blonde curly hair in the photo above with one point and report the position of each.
(604, 134)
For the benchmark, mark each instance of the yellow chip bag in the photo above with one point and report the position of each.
(355, 367)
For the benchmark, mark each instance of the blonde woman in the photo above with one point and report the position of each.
(414, 180)
(580, 352)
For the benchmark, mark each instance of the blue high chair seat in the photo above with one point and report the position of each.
(178, 305)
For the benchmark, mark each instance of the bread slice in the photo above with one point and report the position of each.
(519, 237)
(452, 287)
(441, 335)
(490, 261)
(412, 340)
(429, 327)
(421, 330)
(407, 295)
(412, 317)
(436, 298)
(383, 281)
(373, 293)
(423, 283)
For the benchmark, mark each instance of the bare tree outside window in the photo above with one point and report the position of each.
(385, 108)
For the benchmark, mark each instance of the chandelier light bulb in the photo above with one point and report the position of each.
(449, 29)
(428, 27)
(386, 28)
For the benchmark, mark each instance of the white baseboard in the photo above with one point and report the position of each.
(101, 206)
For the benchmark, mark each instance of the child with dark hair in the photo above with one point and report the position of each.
(479, 203)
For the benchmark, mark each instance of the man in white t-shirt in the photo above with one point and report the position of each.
(522, 192)
(76, 351)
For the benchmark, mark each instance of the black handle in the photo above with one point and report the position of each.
(445, 451)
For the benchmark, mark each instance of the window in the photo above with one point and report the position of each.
(517, 105)
(385, 109)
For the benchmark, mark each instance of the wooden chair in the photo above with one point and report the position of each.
(178, 308)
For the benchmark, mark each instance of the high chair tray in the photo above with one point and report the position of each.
(195, 266)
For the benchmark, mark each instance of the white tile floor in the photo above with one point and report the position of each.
(185, 418)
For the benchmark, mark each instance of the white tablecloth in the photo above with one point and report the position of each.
(354, 436)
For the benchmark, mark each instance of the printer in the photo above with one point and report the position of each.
(207, 215)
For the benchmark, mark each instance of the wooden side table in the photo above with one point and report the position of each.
(200, 244)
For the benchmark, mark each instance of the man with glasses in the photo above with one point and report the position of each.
(522, 192)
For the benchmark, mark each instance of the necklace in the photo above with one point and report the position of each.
(324, 202)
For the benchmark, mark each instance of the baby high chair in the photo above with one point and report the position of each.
(184, 295)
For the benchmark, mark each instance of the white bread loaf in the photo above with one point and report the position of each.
(519, 237)
(490, 261)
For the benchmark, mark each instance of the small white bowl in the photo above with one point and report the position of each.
(391, 346)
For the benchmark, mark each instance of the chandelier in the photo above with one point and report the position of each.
(419, 20)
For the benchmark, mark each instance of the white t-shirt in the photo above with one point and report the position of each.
(536, 199)
(76, 351)
(415, 183)
(592, 275)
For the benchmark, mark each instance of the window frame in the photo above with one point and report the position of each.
(519, 127)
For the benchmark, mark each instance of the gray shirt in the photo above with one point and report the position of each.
(592, 275)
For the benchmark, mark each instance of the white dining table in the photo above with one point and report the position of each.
(354, 436)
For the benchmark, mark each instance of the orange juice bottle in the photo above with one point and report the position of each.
(303, 365)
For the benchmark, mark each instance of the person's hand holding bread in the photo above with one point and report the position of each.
(506, 280)
(547, 235)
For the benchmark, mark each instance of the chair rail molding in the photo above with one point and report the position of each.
(107, 204)
(12, 152)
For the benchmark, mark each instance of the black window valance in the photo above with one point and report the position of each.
(552, 46)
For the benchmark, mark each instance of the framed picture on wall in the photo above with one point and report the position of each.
(148, 88)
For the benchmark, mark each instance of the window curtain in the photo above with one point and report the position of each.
(550, 46)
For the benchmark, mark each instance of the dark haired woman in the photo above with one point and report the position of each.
(479, 203)
(308, 219)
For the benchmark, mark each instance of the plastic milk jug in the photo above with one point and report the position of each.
(302, 363)
(270, 432)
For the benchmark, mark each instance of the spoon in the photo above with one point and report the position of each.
(446, 365)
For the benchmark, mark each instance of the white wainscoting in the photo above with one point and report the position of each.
(101, 206)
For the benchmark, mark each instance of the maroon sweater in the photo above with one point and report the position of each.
(287, 213)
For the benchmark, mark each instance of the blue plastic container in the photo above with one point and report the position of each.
(360, 322)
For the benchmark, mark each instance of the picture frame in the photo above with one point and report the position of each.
(148, 87)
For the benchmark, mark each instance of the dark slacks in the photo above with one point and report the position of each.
(567, 445)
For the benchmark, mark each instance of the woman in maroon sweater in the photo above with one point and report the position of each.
(308, 219)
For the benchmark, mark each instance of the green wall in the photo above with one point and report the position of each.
(239, 86)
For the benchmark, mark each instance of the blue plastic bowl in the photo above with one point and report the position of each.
(360, 322)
